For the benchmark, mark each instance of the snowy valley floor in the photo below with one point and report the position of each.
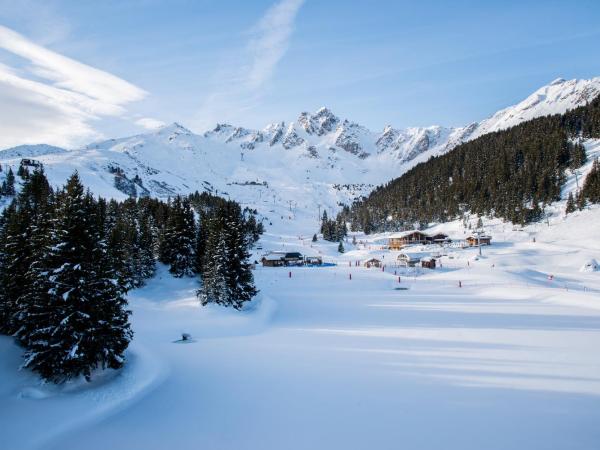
(508, 361)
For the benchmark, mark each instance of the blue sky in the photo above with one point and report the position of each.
(136, 63)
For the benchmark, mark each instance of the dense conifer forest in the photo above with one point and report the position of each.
(510, 174)
(67, 260)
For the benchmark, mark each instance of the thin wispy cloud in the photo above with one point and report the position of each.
(240, 87)
(56, 99)
(149, 123)
(273, 34)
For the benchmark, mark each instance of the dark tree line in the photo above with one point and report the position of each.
(67, 260)
(590, 192)
(333, 230)
(510, 174)
(7, 187)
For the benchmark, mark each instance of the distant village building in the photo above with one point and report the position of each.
(372, 262)
(293, 259)
(279, 259)
(475, 240)
(440, 238)
(411, 259)
(400, 240)
(273, 259)
(313, 260)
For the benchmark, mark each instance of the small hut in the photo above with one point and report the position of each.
(293, 259)
(273, 259)
(411, 259)
(474, 240)
(400, 240)
(313, 260)
(440, 238)
(428, 263)
(372, 262)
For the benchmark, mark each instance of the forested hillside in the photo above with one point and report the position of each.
(510, 174)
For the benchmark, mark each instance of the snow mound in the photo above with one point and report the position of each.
(591, 265)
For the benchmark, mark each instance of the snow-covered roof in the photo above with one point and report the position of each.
(274, 256)
(402, 234)
(371, 260)
(414, 255)
(478, 236)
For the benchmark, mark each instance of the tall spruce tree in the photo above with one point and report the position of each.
(81, 321)
(178, 247)
(227, 279)
(570, 207)
(21, 244)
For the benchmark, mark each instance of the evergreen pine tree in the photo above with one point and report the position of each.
(570, 204)
(178, 248)
(314, 238)
(145, 249)
(8, 186)
(81, 321)
(341, 247)
(20, 246)
(214, 287)
(11, 260)
(581, 202)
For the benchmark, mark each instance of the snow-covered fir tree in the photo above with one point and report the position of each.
(80, 321)
(227, 278)
(178, 246)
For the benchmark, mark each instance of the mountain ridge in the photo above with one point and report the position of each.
(319, 159)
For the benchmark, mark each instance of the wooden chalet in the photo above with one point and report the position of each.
(475, 240)
(273, 259)
(372, 262)
(440, 238)
(293, 259)
(411, 259)
(400, 240)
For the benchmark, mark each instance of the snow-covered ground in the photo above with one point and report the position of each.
(507, 361)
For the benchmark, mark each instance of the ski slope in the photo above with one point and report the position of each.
(507, 361)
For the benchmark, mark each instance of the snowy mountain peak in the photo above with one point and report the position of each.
(30, 151)
(319, 159)
(554, 98)
(174, 128)
(320, 123)
(558, 81)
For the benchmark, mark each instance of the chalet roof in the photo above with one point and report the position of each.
(274, 256)
(402, 234)
(371, 260)
(414, 256)
(480, 236)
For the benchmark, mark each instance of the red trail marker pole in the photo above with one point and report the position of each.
(290, 274)
(459, 283)
(399, 280)
(350, 276)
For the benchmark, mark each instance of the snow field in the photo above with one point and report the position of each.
(321, 361)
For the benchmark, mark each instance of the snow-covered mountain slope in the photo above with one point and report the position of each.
(555, 98)
(286, 170)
